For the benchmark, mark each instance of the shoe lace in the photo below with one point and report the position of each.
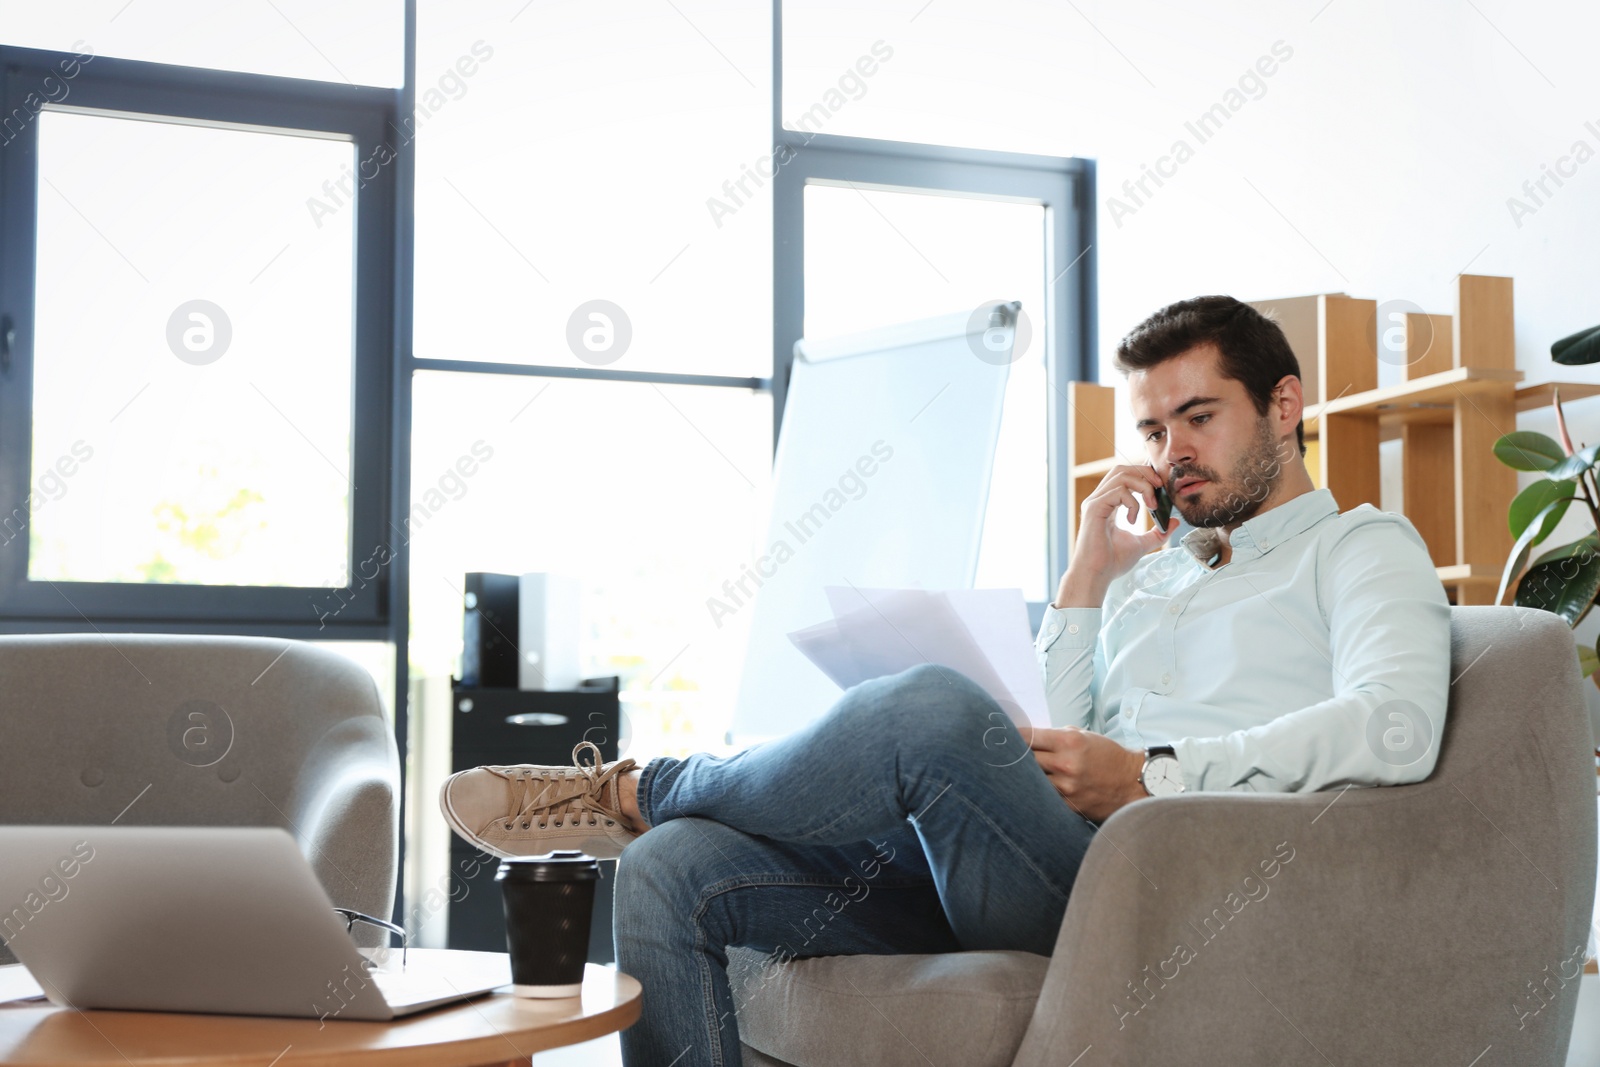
(570, 795)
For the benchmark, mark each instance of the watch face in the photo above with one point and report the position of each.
(1163, 776)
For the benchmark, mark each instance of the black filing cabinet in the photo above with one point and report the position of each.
(507, 726)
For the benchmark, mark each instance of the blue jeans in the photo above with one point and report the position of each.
(910, 818)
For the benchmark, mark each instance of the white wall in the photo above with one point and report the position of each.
(1378, 161)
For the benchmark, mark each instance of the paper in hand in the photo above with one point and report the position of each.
(981, 633)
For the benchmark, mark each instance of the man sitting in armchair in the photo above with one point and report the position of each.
(1288, 648)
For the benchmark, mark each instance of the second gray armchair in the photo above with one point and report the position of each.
(163, 730)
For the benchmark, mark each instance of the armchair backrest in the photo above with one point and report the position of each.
(157, 729)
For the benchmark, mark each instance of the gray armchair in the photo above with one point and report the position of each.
(160, 730)
(1414, 924)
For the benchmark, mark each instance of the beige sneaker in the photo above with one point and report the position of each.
(528, 810)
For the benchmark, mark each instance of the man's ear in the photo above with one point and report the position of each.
(1290, 391)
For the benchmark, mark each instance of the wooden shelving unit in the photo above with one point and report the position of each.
(1092, 445)
(1459, 393)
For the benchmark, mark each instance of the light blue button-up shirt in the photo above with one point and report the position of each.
(1318, 656)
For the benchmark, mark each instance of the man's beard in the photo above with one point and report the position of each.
(1255, 476)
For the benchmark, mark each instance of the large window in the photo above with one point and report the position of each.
(605, 245)
(308, 310)
(166, 403)
(593, 305)
(571, 160)
(651, 495)
(196, 314)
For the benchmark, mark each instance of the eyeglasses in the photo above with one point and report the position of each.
(352, 917)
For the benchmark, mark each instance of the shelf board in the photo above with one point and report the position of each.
(1094, 467)
(1530, 397)
(1427, 399)
(1468, 574)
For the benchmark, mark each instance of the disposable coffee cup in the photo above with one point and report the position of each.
(549, 901)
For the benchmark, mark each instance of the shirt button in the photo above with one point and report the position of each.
(1166, 679)
(1173, 609)
(1072, 629)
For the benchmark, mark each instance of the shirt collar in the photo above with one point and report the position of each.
(1258, 534)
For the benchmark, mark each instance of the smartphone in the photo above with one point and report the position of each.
(1163, 509)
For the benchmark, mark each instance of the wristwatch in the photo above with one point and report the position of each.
(1162, 775)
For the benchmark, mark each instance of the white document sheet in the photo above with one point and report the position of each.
(982, 633)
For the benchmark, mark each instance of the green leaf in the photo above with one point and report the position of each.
(1528, 450)
(1588, 660)
(1579, 349)
(1532, 500)
(1532, 534)
(1565, 586)
(1586, 543)
(1575, 464)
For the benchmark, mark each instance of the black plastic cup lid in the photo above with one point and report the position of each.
(562, 865)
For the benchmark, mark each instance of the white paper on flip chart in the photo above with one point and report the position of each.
(982, 633)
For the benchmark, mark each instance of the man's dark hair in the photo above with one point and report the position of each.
(1254, 350)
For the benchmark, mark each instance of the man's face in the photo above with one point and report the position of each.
(1198, 424)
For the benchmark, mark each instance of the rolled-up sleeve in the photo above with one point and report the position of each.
(1389, 632)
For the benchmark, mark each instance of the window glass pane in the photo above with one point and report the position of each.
(652, 496)
(999, 74)
(192, 357)
(874, 258)
(356, 41)
(595, 152)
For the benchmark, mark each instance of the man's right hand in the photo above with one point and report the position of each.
(1104, 550)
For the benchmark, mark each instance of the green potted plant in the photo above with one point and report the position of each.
(1563, 580)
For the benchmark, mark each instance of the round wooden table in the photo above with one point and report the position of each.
(494, 1029)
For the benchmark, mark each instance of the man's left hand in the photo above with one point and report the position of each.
(1094, 774)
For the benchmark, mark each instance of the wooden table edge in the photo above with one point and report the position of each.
(507, 1045)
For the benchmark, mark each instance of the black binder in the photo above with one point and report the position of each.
(489, 628)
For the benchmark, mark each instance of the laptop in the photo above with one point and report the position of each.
(227, 920)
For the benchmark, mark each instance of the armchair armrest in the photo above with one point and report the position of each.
(345, 811)
(1390, 924)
